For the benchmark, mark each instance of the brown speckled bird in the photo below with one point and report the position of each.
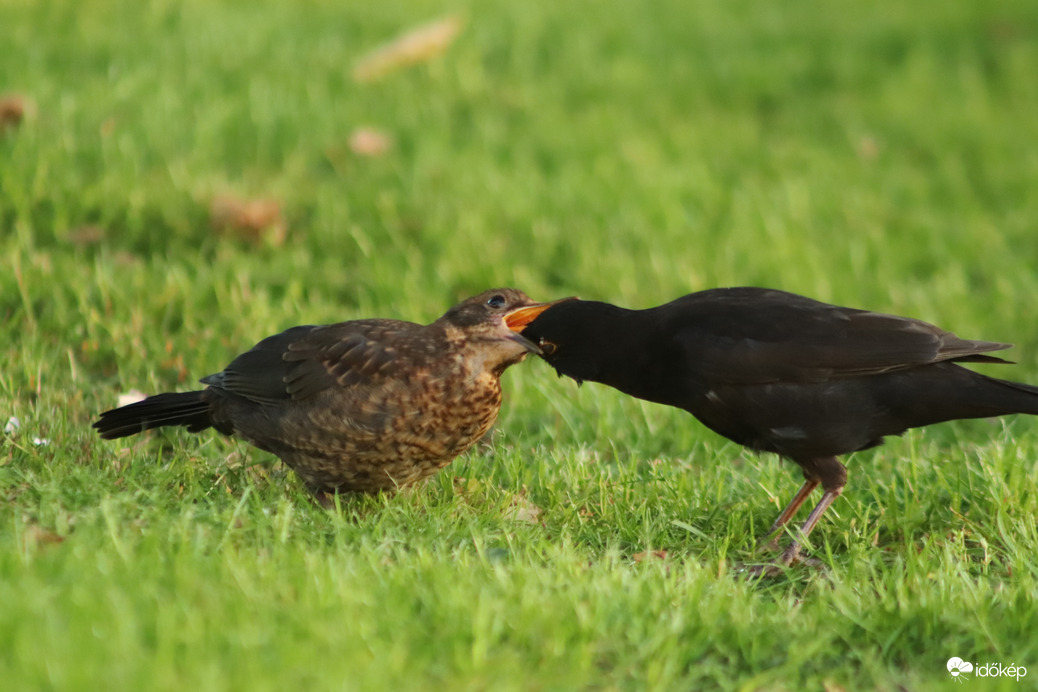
(365, 405)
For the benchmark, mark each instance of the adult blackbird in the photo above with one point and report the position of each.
(777, 372)
(365, 405)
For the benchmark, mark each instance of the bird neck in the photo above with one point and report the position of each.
(618, 348)
(637, 363)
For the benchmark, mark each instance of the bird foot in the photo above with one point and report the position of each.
(790, 556)
(788, 559)
(324, 499)
(769, 570)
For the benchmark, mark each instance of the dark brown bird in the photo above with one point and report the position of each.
(365, 405)
(777, 372)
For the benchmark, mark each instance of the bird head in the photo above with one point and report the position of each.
(492, 321)
(574, 336)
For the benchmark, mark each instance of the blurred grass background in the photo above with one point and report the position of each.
(877, 155)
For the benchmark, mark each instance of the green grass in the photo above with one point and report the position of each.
(878, 155)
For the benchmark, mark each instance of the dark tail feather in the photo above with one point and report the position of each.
(185, 409)
(1019, 397)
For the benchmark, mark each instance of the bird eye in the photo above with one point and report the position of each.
(547, 346)
(497, 302)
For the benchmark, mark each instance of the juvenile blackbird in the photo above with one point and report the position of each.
(365, 405)
(777, 372)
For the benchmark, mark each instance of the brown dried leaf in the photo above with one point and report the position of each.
(369, 141)
(36, 536)
(13, 110)
(418, 45)
(86, 235)
(650, 555)
(868, 148)
(255, 220)
(521, 509)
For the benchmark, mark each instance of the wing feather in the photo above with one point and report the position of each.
(758, 336)
(302, 362)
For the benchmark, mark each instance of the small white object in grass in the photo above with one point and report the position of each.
(131, 397)
(14, 425)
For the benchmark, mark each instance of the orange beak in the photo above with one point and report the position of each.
(518, 319)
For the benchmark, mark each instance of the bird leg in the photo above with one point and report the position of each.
(794, 505)
(832, 475)
(792, 553)
(323, 498)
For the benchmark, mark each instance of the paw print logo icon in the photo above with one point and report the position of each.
(957, 667)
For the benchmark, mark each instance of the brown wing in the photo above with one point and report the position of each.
(756, 335)
(301, 362)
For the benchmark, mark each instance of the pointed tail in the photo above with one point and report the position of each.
(186, 408)
(1018, 397)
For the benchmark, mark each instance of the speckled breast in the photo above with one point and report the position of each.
(402, 436)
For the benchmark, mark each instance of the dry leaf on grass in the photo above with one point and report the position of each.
(255, 220)
(369, 141)
(83, 236)
(36, 536)
(650, 555)
(418, 45)
(521, 509)
(868, 148)
(13, 110)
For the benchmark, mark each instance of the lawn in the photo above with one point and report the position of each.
(188, 177)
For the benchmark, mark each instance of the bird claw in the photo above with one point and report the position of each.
(789, 558)
(769, 571)
(324, 499)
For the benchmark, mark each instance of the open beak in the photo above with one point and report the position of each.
(519, 318)
(526, 343)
